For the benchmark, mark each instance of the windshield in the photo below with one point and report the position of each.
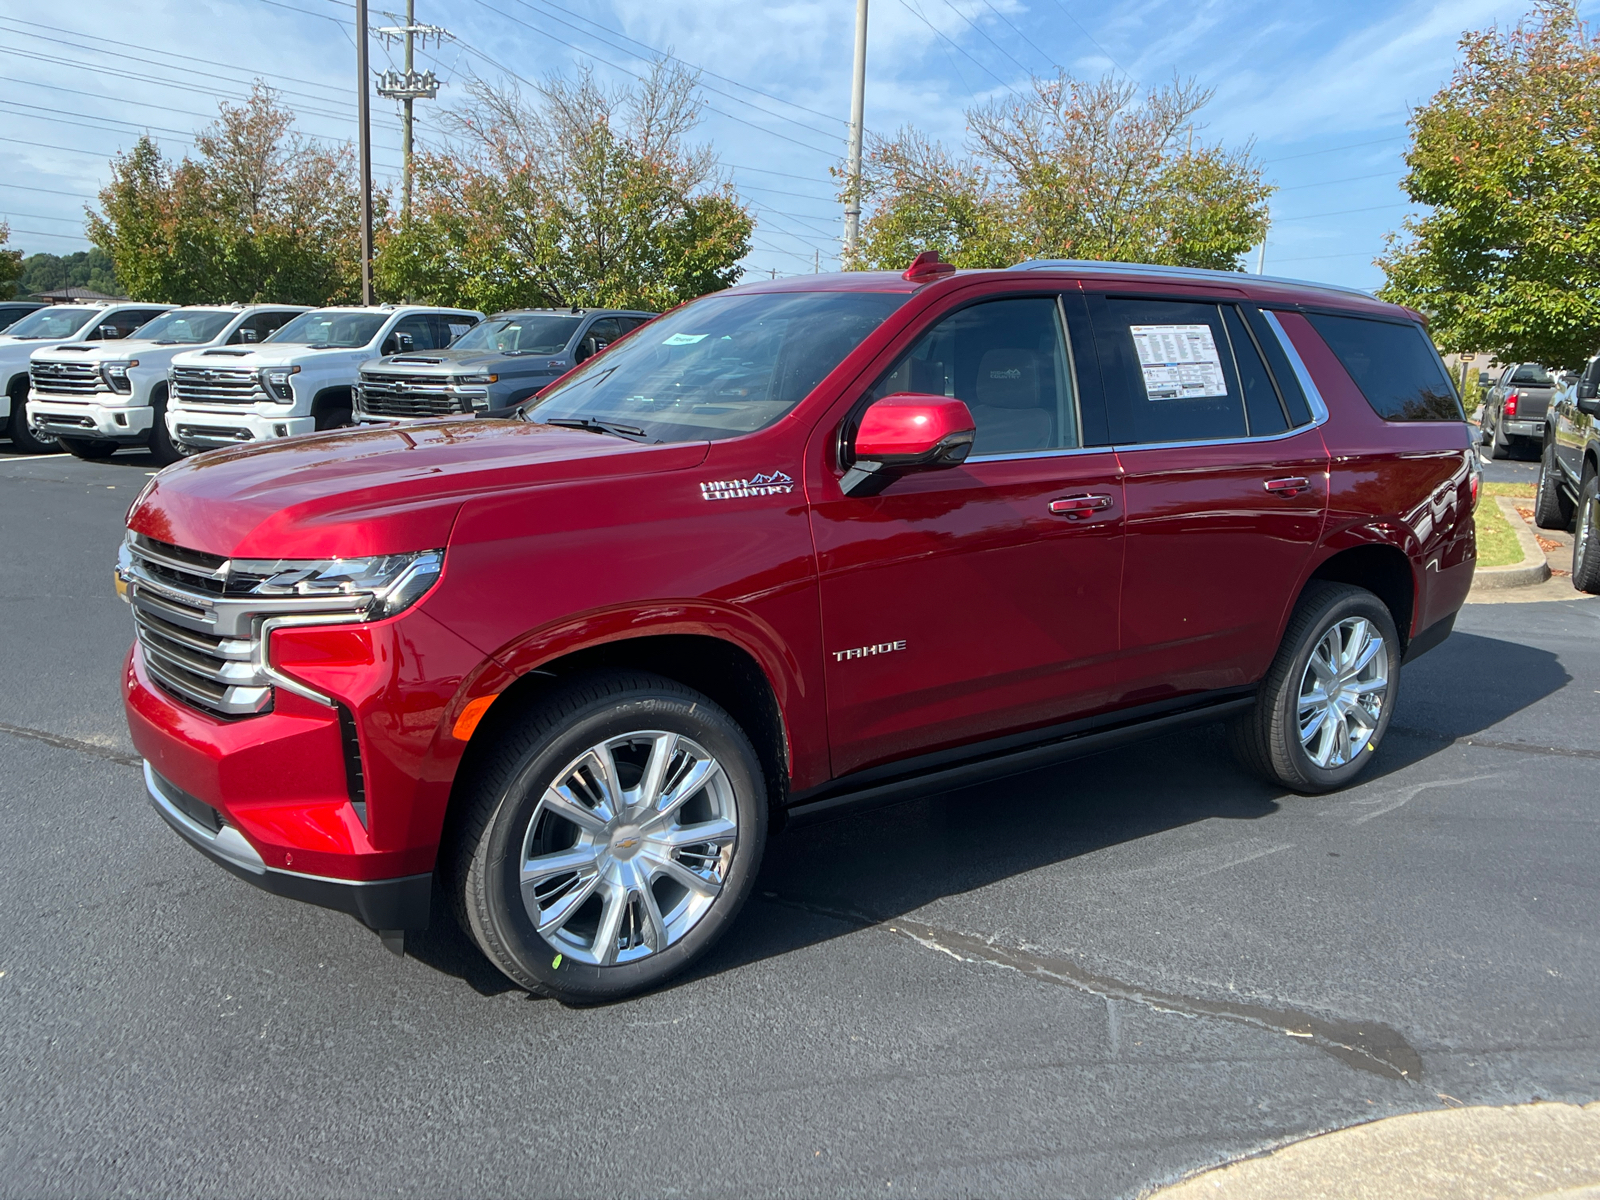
(721, 366)
(1533, 375)
(330, 328)
(542, 334)
(52, 323)
(185, 326)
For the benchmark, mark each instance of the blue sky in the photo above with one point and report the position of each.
(1322, 88)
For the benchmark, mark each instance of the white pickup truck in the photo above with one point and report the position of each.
(302, 379)
(94, 397)
(58, 325)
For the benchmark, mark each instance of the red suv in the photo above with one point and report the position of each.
(793, 546)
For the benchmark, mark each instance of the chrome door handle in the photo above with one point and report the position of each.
(1075, 508)
(1286, 487)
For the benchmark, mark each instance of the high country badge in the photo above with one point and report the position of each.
(775, 484)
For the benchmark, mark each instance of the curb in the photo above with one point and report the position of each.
(1531, 570)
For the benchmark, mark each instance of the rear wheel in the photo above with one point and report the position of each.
(1326, 700)
(93, 449)
(1551, 508)
(610, 838)
(334, 418)
(22, 435)
(1586, 542)
(1498, 446)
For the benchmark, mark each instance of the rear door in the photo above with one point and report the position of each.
(1572, 426)
(963, 603)
(1225, 477)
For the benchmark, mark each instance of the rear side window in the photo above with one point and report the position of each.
(1394, 365)
(1532, 375)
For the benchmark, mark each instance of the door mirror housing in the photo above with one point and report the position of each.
(1588, 404)
(587, 349)
(908, 432)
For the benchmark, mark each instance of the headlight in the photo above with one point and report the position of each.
(472, 380)
(378, 587)
(276, 381)
(116, 375)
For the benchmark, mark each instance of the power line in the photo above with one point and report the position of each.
(65, 237)
(976, 28)
(178, 134)
(1319, 257)
(22, 187)
(41, 217)
(1330, 182)
(1085, 31)
(1345, 211)
(1335, 149)
(1019, 32)
(939, 33)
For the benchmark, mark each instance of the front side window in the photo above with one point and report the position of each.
(415, 332)
(1394, 366)
(52, 323)
(258, 327)
(538, 333)
(186, 326)
(721, 366)
(331, 329)
(447, 327)
(121, 323)
(1007, 360)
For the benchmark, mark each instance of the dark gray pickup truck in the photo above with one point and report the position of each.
(1514, 408)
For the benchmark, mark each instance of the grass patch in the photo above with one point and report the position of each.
(1516, 491)
(1497, 542)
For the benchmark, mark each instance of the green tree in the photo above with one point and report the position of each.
(1069, 170)
(262, 213)
(1508, 260)
(585, 197)
(10, 263)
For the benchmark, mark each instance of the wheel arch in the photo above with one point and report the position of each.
(1383, 569)
(335, 396)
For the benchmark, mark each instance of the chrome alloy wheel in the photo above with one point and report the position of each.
(1586, 522)
(628, 848)
(1342, 692)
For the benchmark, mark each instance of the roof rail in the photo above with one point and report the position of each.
(1084, 266)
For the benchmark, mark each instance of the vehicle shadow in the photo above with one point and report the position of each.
(877, 865)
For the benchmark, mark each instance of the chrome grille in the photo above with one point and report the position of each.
(389, 395)
(217, 674)
(64, 378)
(216, 385)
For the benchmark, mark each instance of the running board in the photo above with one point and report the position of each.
(999, 759)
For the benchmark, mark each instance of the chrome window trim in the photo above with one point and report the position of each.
(1021, 454)
(1319, 408)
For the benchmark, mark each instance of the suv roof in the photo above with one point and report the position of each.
(573, 312)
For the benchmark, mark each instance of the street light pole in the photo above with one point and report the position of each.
(858, 101)
(364, 119)
(1261, 258)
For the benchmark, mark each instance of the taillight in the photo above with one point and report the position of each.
(1475, 474)
(1511, 403)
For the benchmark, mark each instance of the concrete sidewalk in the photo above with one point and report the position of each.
(1524, 1151)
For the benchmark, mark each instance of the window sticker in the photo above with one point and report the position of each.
(1180, 362)
(683, 339)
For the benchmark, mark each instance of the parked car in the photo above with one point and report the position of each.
(56, 325)
(1514, 409)
(796, 545)
(1569, 474)
(492, 367)
(94, 397)
(12, 311)
(299, 380)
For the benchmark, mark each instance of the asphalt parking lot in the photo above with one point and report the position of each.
(1079, 982)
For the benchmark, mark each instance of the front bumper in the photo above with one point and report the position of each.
(381, 904)
(210, 427)
(85, 418)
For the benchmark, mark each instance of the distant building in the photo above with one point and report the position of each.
(74, 295)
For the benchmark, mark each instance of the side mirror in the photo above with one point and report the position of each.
(908, 432)
(1483, 379)
(110, 333)
(1589, 405)
(587, 349)
(406, 342)
(248, 335)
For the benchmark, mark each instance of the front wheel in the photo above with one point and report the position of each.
(23, 436)
(1326, 700)
(1586, 542)
(610, 838)
(92, 449)
(162, 448)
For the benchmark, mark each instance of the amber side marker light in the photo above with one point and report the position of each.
(467, 722)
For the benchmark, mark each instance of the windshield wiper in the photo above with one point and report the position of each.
(614, 428)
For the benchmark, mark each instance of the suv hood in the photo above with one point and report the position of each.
(17, 350)
(449, 362)
(374, 491)
(268, 354)
(115, 351)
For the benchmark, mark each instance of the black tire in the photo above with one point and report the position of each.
(162, 448)
(1267, 739)
(1586, 542)
(23, 437)
(502, 807)
(92, 449)
(1551, 507)
(1498, 446)
(334, 418)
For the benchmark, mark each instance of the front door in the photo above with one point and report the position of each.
(956, 605)
(1225, 495)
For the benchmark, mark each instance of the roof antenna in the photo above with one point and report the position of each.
(926, 266)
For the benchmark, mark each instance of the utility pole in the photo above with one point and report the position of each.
(1261, 258)
(408, 88)
(858, 101)
(364, 120)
